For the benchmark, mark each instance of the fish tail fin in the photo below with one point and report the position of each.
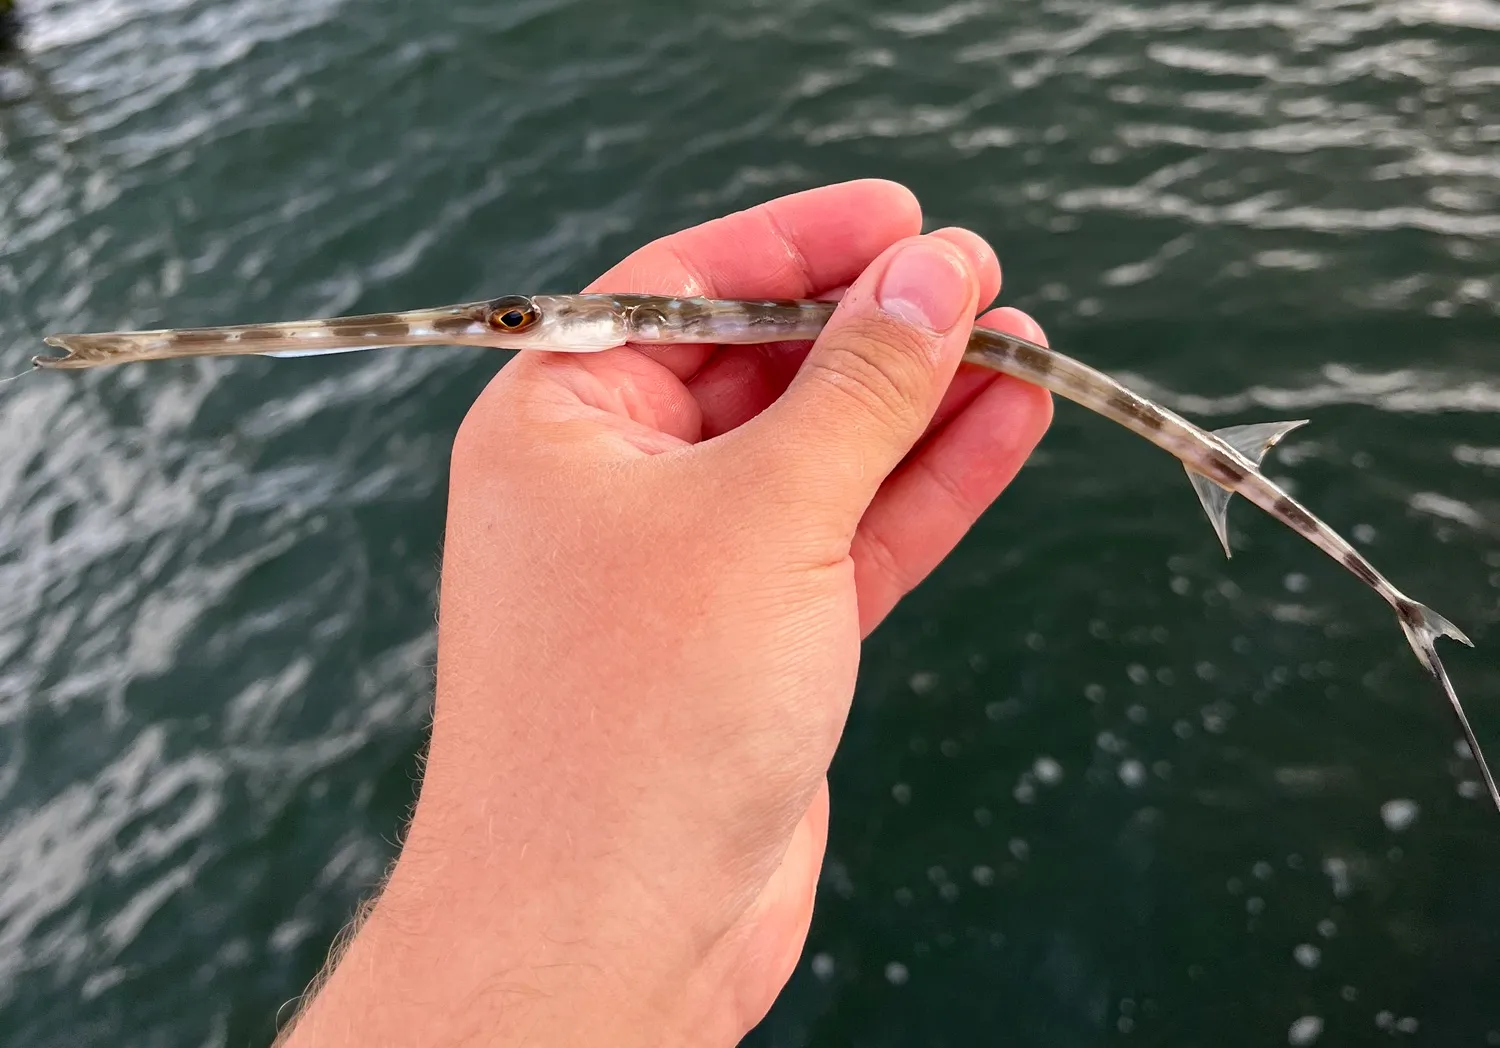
(1423, 627)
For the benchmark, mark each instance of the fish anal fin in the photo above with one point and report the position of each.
(1215, 500)
(1254, 440)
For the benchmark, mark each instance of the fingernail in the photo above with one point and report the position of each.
(926, 286)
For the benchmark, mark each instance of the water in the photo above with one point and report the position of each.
(1099, 785)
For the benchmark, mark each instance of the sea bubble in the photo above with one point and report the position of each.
(1307, 955)
(1305, 1030)
(1399, 814)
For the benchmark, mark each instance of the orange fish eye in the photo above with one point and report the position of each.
(511, 314)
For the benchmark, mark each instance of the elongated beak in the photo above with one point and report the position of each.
(445, 326)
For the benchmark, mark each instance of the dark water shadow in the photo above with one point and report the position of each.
(37, 78)
(10, 29)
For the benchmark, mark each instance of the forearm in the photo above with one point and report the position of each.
(424, 967)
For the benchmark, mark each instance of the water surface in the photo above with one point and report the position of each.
(1099, 785)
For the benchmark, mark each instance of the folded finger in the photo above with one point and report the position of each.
(932, 499)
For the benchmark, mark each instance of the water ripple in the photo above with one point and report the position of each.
(216, 658)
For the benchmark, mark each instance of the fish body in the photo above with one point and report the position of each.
(1220, 464)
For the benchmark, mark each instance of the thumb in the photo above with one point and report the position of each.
(875, 376)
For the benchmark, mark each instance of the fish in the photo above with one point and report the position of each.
(1220, 463)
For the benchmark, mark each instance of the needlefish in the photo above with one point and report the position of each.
(1220, 463)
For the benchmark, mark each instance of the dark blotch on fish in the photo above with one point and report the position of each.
(1134, 407)
(1221, 468)
(1150, 416)
(1034, 359)
(690, 310)
(1296, 516)
(1361, 568)
(381, 325)
(195, 337)
(454, 324)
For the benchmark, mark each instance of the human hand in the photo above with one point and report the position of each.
(658, 571)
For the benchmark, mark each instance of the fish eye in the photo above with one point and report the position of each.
(511, 314)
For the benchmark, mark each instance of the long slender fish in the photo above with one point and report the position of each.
(1220, 463)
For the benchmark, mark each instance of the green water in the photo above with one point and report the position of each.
(1099, 784)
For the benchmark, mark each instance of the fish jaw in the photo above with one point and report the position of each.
(560, 329)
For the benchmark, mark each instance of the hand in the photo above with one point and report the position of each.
(659, 568)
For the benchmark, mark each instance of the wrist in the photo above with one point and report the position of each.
(449, 957)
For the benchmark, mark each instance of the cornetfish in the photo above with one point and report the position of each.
(1220, 463)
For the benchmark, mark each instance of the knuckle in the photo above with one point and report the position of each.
(883, 369)
(946, 484)
(875, 550)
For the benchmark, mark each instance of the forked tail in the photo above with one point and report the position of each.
(1423, 627)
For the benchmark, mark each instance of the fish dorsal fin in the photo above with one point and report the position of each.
(1252, 441)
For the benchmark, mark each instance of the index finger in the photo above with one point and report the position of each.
(792, 247)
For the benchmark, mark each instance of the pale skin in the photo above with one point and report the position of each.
(658, 570)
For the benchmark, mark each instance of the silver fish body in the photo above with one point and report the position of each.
(1220, 463)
